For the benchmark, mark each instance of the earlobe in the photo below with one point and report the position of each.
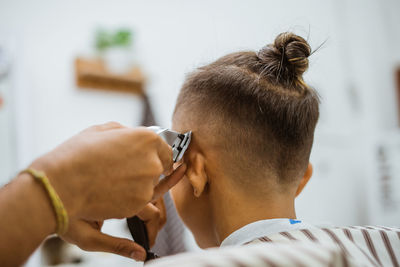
(196, 173)
(305, 179)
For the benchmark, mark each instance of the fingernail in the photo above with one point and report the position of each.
(137, 256)
(133, 255)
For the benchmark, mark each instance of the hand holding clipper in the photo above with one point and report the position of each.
(179, 143)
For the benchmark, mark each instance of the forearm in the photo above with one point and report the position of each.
(92, 173)
(26, 218)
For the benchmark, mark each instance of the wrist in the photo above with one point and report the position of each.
(56, 176)
(39, 211)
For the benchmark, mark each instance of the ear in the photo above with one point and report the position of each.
(196, 173)
(305, 179)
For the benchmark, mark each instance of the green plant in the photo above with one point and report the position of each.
(107, 39)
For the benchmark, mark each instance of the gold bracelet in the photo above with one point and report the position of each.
(61, 213)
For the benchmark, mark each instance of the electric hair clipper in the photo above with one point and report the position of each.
(179, 143)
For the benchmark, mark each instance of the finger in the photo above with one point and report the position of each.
(152, 231)
(157, 210)
(95, 224)
(168, 182)
(151, 217)
(160, 205)
(108, 126)
(98, 241)
(165, 155)
(149, 212)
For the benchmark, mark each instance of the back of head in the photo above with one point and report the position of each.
(257, 107)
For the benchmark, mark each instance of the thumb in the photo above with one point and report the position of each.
(120, 246)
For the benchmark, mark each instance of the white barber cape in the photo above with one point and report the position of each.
(284, 242)
(262, 228)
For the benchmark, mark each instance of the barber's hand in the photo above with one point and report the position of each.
(154, 217)
(107, 171)
(88, 236)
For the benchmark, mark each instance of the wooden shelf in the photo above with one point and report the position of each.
(398, 93)
(93, 74)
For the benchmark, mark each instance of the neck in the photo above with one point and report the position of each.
(234, 209)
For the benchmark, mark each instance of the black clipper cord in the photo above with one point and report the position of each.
(139, 233)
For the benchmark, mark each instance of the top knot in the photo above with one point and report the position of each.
(286, 59)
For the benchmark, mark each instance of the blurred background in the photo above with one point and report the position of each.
(66, 65)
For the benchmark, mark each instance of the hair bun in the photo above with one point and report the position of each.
(286, 59)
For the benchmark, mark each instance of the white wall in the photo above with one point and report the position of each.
(7, 129)
(352, 72)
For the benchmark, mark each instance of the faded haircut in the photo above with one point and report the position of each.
(258, 105)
